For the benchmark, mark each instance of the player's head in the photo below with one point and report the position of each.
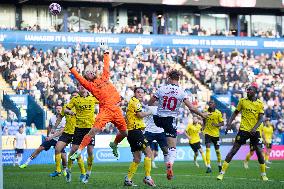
(58, 109)
(251, 91)
(266, 121)
(195, 119)
(139, 93)
(173, 76)
(211, 105)
(21, 129)
(90, 75)
(81, 90)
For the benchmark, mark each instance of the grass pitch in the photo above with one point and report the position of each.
(111, 175)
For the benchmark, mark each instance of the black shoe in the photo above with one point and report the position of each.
(209, 170)
(220, 168)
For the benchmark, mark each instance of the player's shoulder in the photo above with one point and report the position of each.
(218, 111)
(133, 100)
(259, 101)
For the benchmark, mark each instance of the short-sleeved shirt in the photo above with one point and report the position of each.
(250, 111)
(134, 122)
(170, 98)
(61, 125)
(85, 110)
(214, 118)
(20, 140)
(193, 131)
(70, 120)
(268, 133)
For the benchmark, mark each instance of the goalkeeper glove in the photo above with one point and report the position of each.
(66, 60)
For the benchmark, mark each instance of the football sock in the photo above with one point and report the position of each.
(118, 138)
(248, 156)
(262, 169)
(70, 162)
(85, 142)
(147, 166)
(29, 160)
(224, 167)
(208, 156)
(166, 158)
(204, 158)
(81, 165)
(172, 155)
(90, 163)
(219, 158)
(132, 170)
(20, 159)
(266, 156)
(57, 162)
(195, 157)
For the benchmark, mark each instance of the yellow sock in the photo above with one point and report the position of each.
(248, 157)
(262, 168)
(208, 156)
(70, 162)
(132, 170)
(90, 163)
(224, 167)
(81, 165)
(204, 158)
(147, 166)
(219, 158)
(266, 157)
(57, 162)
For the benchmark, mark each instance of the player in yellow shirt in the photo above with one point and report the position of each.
(212, 133)
(252, 148)
(252, 112)
(84, 105)
(192, 132)
(66, 138)
(267, 133)
(136, 139)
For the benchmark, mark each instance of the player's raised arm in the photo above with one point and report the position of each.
(193, 109)
(106, 72)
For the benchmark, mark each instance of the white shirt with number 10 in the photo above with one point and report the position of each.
(170, 98)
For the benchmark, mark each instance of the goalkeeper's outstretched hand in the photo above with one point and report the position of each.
(67, 60)
(104, 47)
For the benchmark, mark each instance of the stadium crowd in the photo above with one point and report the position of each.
(33, 71)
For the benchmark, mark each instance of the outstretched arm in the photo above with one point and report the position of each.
(85, 83)
(106, 73)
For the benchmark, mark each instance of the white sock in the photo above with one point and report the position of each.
(209, 165)
(166, 158)
(28, 160)
(263, 174)
(89, 172)
(220, 163)
(172, 155)
(20, 159)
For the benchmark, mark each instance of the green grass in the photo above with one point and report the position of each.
(111, 176)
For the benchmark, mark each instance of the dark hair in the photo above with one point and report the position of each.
(174, 75)
(136, 88)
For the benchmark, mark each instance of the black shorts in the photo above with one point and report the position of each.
(79, 134)
(243, 136)
(137, 140)
(19, 151)
(168, 124)
(195, 146)
(65, 137)
(154, 146)
(210, 139)
(160, 139)
(47, 145)
(269, 145)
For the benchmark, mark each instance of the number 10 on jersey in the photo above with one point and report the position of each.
(170, 103)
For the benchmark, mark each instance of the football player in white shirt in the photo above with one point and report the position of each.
(155, 135)
(50, 141)
(170, 97)
(20, 143)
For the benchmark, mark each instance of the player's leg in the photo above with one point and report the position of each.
(90, 160)
(162, 141)
(267, 153)
(218, 153)
(147, 166)
(202, 154)
(20, 156)
(60, 145)
(15, 160)
(119, 122)
(257, 143)
(241, 139)
(64, 162)
(44, 146)
(249, 155)
(208, 153)
(132, 167)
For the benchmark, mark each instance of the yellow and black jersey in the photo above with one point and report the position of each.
(70, 120)
(268, 133)
(134, 122)
(85, 110)
(250, 111)
(213, 118)
(193, 131)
